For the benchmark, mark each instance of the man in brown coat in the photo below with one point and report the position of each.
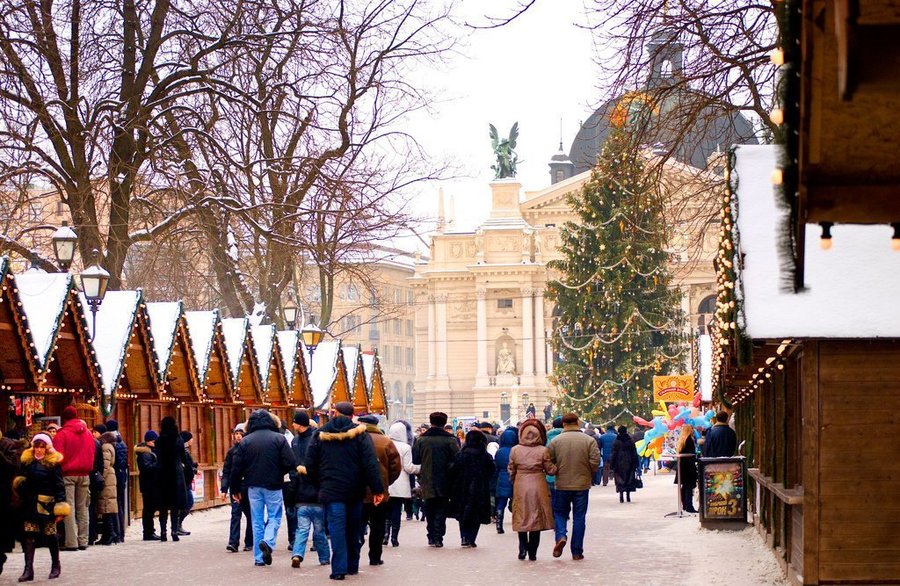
(577, 458)
(375, 516)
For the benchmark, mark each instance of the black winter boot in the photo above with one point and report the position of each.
(523, 544)
(2, 561)
(500, 514)
(54, 557)
(182, 515)
(28, 548)
(163, 536)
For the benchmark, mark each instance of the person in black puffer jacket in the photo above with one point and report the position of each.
(148, 482)
(260, 462)
(190, 471)
(239, 506)
(341, 462)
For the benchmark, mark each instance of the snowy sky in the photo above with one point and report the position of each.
(536, 70)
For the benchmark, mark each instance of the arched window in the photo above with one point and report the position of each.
(665, 68)
(706, 311)
(398, 391)
(409, 393)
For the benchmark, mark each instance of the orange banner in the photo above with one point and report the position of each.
(673, 388)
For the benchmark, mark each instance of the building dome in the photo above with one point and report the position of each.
(656, 113)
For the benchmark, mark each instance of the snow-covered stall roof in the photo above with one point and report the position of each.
(850, 290)
(163, 318)
(234, 330)
(115, 321)
(202, 328)
(263, 338)
(288, 342)
(351, 362)
(368, 362)
(43, 296)
(324, 370)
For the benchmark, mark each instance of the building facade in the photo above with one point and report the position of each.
(482, 324)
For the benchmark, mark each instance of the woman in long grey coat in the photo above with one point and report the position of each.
(529, 463)
(107, 503)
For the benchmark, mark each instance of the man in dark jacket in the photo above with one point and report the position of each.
(435, 450)
(121, 468)
(260, 462)
(389, 467)
(148, 470)
(240, 506)
(341, 462)
(606, 442)
(310, 513)
(721, 440)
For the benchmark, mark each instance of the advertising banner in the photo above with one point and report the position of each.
(673, 388)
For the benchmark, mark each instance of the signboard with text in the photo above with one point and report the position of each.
(673, 388)
(723, 494)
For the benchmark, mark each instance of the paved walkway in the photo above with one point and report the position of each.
(626, 544)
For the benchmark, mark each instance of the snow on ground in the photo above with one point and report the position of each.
(626, 544)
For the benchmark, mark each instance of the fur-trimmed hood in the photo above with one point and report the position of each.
(142, 448)
(341, 429)
(53, 458)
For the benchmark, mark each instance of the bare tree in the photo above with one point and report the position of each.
(309, 161)
(80, 85)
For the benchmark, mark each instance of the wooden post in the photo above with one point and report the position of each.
(809, 392)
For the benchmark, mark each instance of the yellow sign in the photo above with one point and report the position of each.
(673, 388)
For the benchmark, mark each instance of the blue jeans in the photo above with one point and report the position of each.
(311, 516)
(265, 512)
(577, 502)
(344, 523)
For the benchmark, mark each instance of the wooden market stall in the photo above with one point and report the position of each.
(327, 375)
(244, 375)
(208, 347)
(806, 373)
(356, 378)
(61, 356)
(296, 379)
(374, 383)
(18, 369)
(268, 361)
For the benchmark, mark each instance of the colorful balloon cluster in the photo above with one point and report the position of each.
(666, 420)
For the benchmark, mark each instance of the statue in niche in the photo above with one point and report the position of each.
(506, 361)
(479, 246)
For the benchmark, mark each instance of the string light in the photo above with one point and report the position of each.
(825, 240)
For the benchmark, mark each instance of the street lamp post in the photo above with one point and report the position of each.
(64, 240)
(289, 312)
(94, 280)
(311, 335)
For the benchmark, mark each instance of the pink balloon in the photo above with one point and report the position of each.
(641, 421)
(673, 411)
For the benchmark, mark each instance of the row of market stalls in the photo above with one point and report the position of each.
(139, 361)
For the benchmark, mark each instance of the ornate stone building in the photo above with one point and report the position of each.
(482, 323)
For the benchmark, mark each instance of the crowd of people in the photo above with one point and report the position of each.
(339, 485)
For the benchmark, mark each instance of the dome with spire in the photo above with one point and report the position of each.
(656, 113)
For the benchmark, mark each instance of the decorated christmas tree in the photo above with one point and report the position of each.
(619, 319)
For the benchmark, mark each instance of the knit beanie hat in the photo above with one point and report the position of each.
(69, 413)
(151, 436)
(112, 425)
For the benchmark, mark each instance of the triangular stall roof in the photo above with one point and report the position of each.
(356, 379)
(244, 376)
(17, 369)
(122, 342)
(327, 377)
(210, 356)
(268, 361)
(374, 382)
(56, 325)
(296, 379)
(177, 373)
